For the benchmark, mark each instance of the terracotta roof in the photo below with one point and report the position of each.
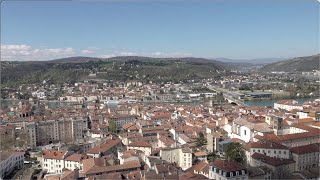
(227, 166)
(140, 144)
(104, 147)
(112, 176)
(306, 120)
(271, 160)
(265, 145)
(200, 153)
(305, 149)
(105, 169)
(202, 167)
(190, 175)
(54, 154)
(76, 157)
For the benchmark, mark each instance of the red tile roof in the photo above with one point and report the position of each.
(271, 160)
(227, 165)
(104, 147)
(140, 144)
(305, 149)
(54, 154)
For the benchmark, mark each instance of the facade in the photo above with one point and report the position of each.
(181, 156)
(227, 170)
(142, 146)
(288, 105)
(121, 120)
(281, 168)
(306, 156)
(267, 148)
(10, 160)
(63, 130)
(54, 161)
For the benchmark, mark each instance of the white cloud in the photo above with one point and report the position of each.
(87, 51)
(148, 54)
(24, 52)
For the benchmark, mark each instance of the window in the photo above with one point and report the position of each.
(284, 152)
(275, 152)
(245, 132)
(279, 152)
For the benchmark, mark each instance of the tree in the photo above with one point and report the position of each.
(112, 126)
(235, 152)
(201, 140)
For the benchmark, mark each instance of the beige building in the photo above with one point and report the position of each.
(306, 156)
(281, 168)
(181, 156)
(62, 130)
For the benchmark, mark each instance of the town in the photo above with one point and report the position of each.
(159, 90)
(137, 130)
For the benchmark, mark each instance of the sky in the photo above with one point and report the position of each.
(236, 29)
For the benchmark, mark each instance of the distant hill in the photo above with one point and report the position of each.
(299, 64)
(123, 68)
(252, 61)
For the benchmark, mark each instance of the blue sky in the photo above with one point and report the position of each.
(245, 29)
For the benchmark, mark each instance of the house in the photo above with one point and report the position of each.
(53, 160)
(74, 161)
(267, 148)
(9, 161)
(227, 170)
(306, 156)
(181, 156)
(287, 105)
(101, 170)
(260, 172)
(109, 147)
(281, 168)
(201, 168)
(201, 156)
(142, 146)
(245, 130)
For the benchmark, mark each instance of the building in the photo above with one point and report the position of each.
(227, 170)
(245, 130)
(10, 160)
(288, 105)
(270, 149)
(109, 147)
(64, 130)
(122, 119)
(181, 156)
(74, 162)
(142, 146)
(306, 157)
(281, 168)
(53, 161)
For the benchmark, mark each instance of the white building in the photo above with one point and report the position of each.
(288, 105)
(267, 148)
(142, 146)
(245, 130)
(53, 160)
(10, 160)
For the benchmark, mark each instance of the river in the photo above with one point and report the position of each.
(270, 102)
(57, 104)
